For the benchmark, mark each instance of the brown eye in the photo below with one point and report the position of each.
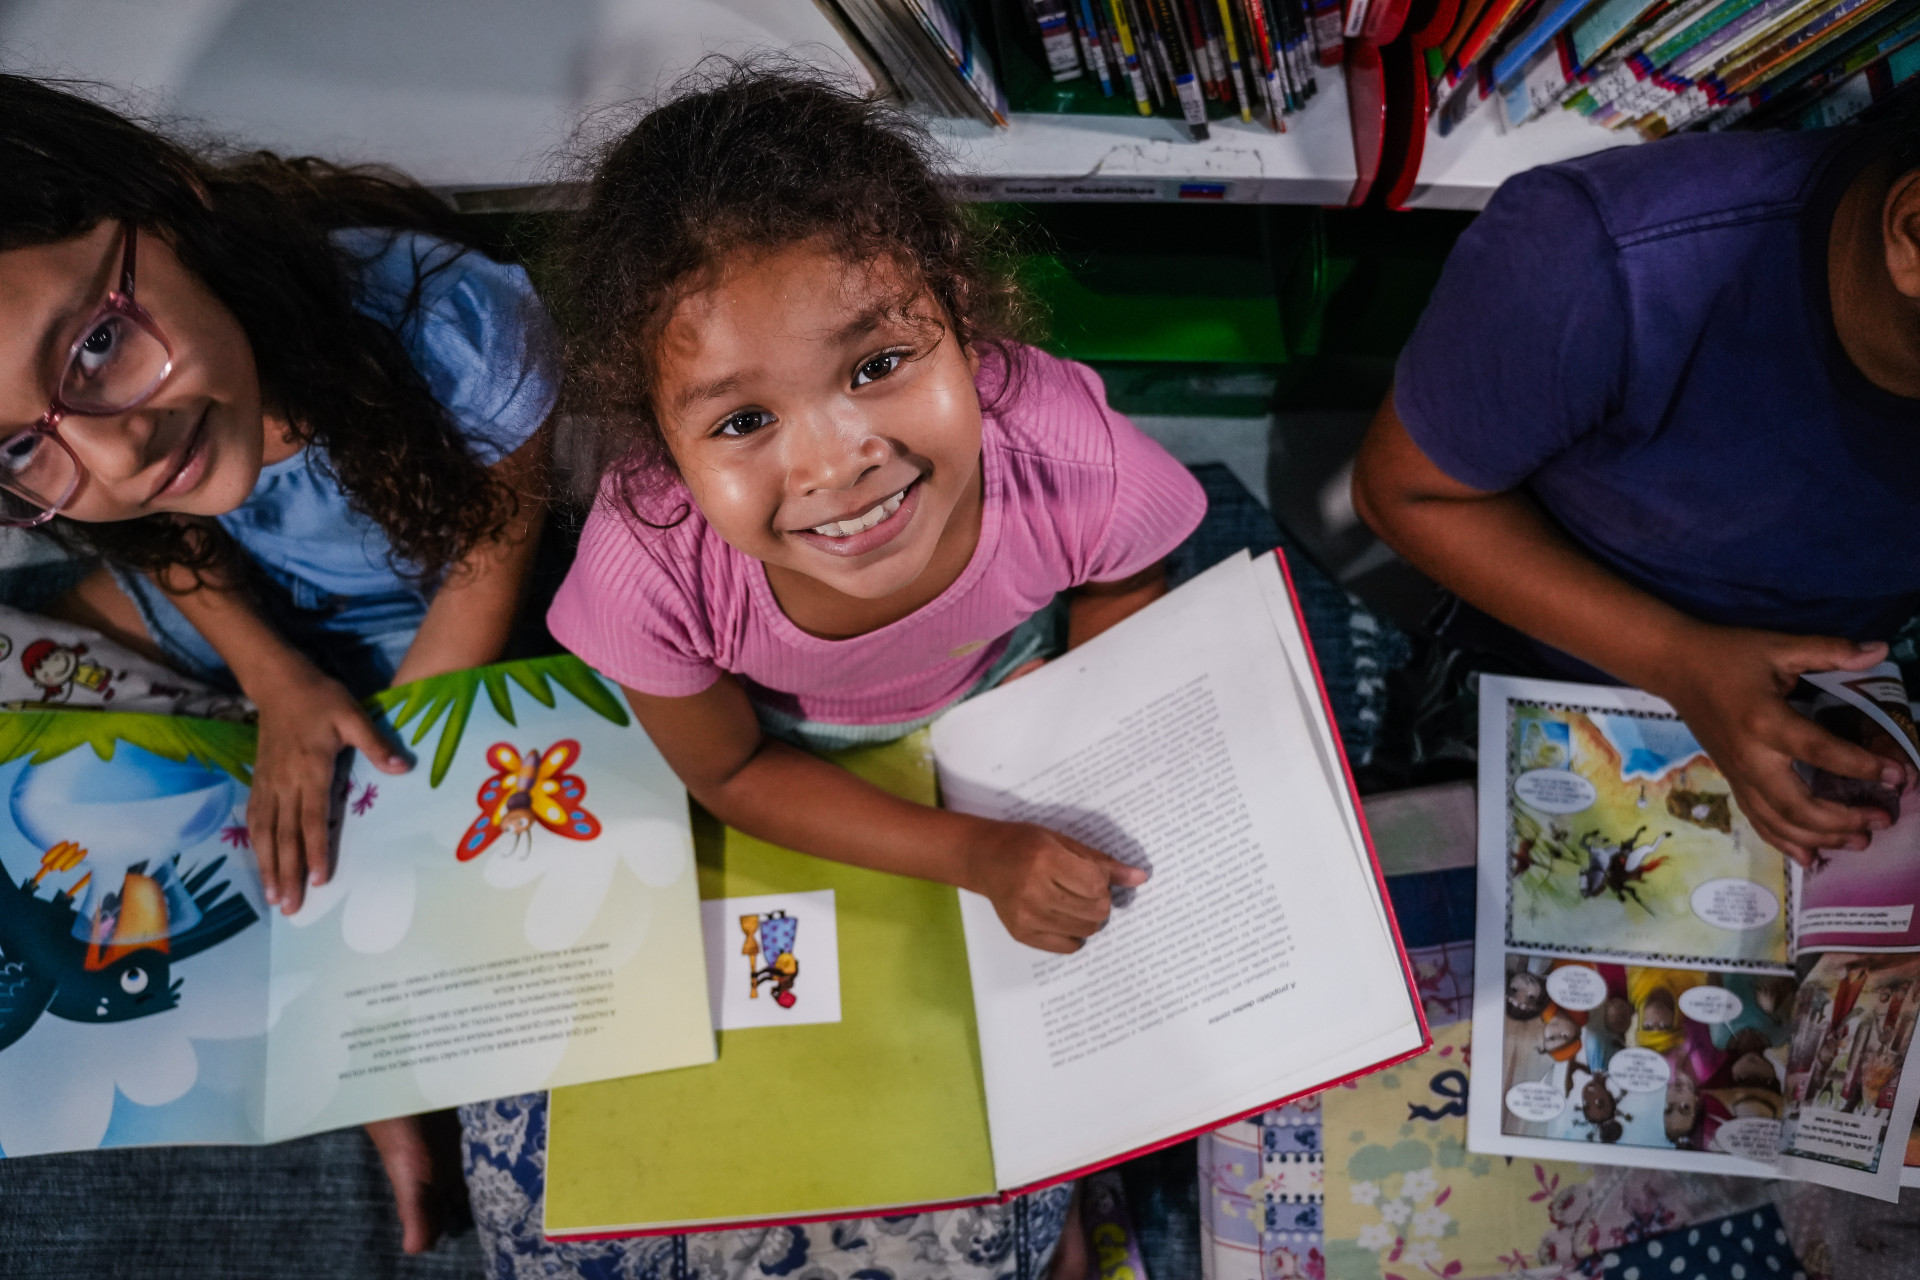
(876, 368)
(743, 423)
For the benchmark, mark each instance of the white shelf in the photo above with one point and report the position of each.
(1461, 170)
(1063, 157)
(480, 95)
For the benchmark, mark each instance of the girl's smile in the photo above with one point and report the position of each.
(868, 531)
(825, 421)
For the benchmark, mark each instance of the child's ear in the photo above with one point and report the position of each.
(1902, 231)
(973, 359)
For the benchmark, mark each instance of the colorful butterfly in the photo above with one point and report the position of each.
(525, 789)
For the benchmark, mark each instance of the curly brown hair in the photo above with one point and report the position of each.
(254, 228)
(751, 156)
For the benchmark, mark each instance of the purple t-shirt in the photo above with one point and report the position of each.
(1643, 339)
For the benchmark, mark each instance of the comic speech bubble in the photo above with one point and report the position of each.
(1555, 790)
(1735, 904)
(1577, 987)
(1537, 1101)
(1639, 1070)
(1710, 1004)
(1755, 1137)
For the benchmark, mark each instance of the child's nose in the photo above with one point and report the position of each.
(112, 449)
(834, 455)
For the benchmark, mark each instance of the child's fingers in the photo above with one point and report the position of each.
(260, 821)
(359, 732)
(314, 812)
(1111, 870)
(287, 853)
(1786, 835)
(1798, 654)
(1808, 742)
(1079, 917)
(1058, 943)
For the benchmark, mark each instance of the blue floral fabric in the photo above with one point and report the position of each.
(506, 1156)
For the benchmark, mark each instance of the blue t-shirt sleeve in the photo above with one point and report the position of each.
(1522, 349)
(479, 336)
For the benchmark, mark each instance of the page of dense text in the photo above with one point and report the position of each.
(1255, 963)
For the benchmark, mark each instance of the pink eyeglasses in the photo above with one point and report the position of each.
(116, 364)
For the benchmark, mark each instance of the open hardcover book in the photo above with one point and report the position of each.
(518, 911)
(899, 1050)
(1659, 985)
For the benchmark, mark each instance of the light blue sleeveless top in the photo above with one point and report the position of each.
(485, 345)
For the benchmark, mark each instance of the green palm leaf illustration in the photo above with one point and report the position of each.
(447, 701)
(47, 735)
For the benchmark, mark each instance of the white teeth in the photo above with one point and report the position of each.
(860, 524)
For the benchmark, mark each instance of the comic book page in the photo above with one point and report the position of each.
(1637, 959)
(519, 912)
(1633, 960)
(1851, 1084)
(133, 934)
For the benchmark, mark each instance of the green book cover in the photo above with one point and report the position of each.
(766, 1132)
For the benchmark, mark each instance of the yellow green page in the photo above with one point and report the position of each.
(882, 1108)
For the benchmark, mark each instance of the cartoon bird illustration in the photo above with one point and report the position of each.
(525, 789)
(117, 965)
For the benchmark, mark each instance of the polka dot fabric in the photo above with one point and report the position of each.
(1744, 1246)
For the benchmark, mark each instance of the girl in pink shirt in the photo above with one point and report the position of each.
(842, 503)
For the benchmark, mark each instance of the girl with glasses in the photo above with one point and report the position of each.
(297, 417)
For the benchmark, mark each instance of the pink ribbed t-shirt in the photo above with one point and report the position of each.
(1073, 493)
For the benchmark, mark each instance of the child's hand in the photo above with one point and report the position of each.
(1730, 685)
(305, 722)
(1051, 891)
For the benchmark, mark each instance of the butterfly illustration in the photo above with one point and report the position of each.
(528, 788)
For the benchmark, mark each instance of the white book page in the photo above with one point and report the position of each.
(1254, 963)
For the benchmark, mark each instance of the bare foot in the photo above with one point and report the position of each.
(1071, 1258)
(402, 1145)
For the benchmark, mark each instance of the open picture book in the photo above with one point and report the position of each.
(1659, 985)
(885, 1045)
(518, 911)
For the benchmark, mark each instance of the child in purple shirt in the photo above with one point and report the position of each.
(1662, 416)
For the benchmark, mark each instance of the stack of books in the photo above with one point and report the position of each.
(1660, 66)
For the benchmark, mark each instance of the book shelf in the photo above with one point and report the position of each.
(1134, 157)
(378, 80)
(1461, 170)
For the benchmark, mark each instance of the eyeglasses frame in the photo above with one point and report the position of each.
(118, 302)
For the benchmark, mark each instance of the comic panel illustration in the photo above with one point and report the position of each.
(1853, 1024)
(1673, 1059)
(133, 953)
(1623, 839)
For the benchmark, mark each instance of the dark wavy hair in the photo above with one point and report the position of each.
(254, 228)
(750, 156)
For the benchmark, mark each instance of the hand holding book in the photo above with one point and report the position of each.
(1731, 685)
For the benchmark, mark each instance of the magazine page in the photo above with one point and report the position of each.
(133, 942)
(1864, 900)
(1851, 1083)
(518, 912)
(1632, 955)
